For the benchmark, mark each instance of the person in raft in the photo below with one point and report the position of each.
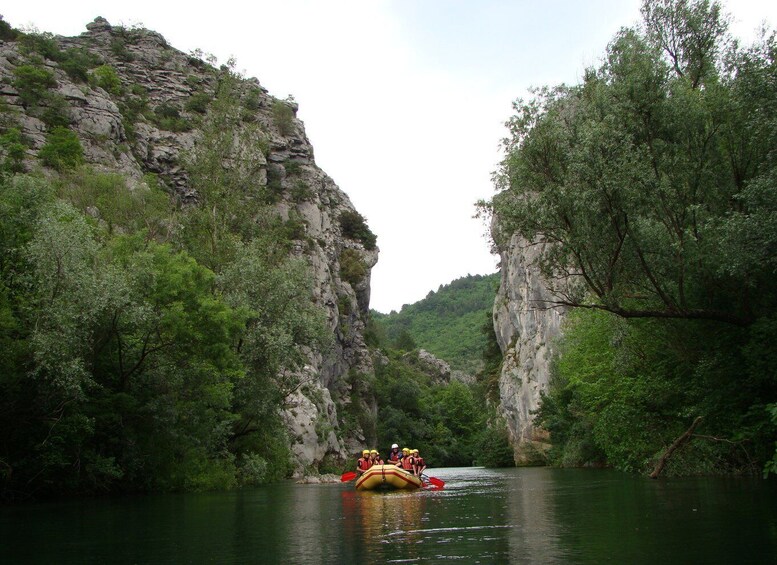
(375, 457)
(394, 455)
(420, 465)
(364, 462)
(407, 462)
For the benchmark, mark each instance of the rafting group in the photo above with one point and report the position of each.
(400, 470)
(408, 459)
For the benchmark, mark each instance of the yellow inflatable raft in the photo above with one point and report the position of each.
(387, 476)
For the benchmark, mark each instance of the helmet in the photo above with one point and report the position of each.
(415, 451)
(405, 450)
(366, 452)
(375, 451)
(394, 446)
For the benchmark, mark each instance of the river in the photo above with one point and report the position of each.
(529, 515)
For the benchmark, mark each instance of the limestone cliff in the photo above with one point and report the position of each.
(147, 122)
(526, 326)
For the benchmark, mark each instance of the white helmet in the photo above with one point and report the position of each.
(394, 446)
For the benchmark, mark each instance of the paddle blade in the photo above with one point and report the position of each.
(439, 483)
(349, 476)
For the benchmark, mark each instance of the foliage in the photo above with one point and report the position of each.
(13, 151)
(168, 117)
(420, 416)
(147, 348)
(32, 82)
(62, 150)
(447, 322)
(283, 117)
(650, 186)
(448, 423)
(119, 206)
(354, 226)
(120, 50)
(7, 32)
(198, 102)
(352, 268)
(42, 44)
(77, 62)
(105, 77)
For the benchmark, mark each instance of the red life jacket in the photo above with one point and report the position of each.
(393, 456)
(363, 464)
(407, 462)
(419, 461)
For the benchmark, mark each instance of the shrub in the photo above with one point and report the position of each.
(7, 33)
(301, 191)
(62, 150)
(355, 227)
(54, 113)
(119, 48)
(168, 117)
(41, 43)
(252, 100)
(13, 149)
(77, 62)
(352, 268)
(283, 117)
(32, 82)
(198, 102)
(105, 77)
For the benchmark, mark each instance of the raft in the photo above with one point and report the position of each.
(387, 476)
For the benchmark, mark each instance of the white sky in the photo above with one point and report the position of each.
(404, 101)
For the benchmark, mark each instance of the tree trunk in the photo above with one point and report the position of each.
(678, 443)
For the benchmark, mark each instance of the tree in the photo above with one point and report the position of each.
(649, 189)
(630, 175)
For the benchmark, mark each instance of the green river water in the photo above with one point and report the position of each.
(530, 515)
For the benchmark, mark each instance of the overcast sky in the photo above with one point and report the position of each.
(404, 101)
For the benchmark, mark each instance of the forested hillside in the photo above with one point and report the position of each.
(446, 323)
(650, 194)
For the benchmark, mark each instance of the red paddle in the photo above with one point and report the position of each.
(349, 476)
(439, 483)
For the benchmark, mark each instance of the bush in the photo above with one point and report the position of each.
(105, 77)
(62, 150)
(252, 101)
(13, 149)
(32, 82)
(352, 269)
(198, 103)
(119, 49)
(355, 227)
(168, 117)
(41, 43)
(77, 62)
(283, 117)
(54, 113)
(7, 33)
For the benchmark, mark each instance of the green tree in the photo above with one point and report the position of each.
(641, 183)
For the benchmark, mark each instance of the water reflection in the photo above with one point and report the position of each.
(482, 516)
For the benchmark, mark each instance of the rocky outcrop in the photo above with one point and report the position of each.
(526, 326)
(439, 371)
(142, 115)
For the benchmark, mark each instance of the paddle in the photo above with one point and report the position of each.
(349, 476)
(439, 483)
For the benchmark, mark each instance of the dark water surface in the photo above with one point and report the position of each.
(532, 515)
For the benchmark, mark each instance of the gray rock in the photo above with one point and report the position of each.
(526, 324)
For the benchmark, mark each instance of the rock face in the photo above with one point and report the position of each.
(147, 122)
(525, 327)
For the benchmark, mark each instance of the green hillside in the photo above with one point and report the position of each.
(446, 323)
